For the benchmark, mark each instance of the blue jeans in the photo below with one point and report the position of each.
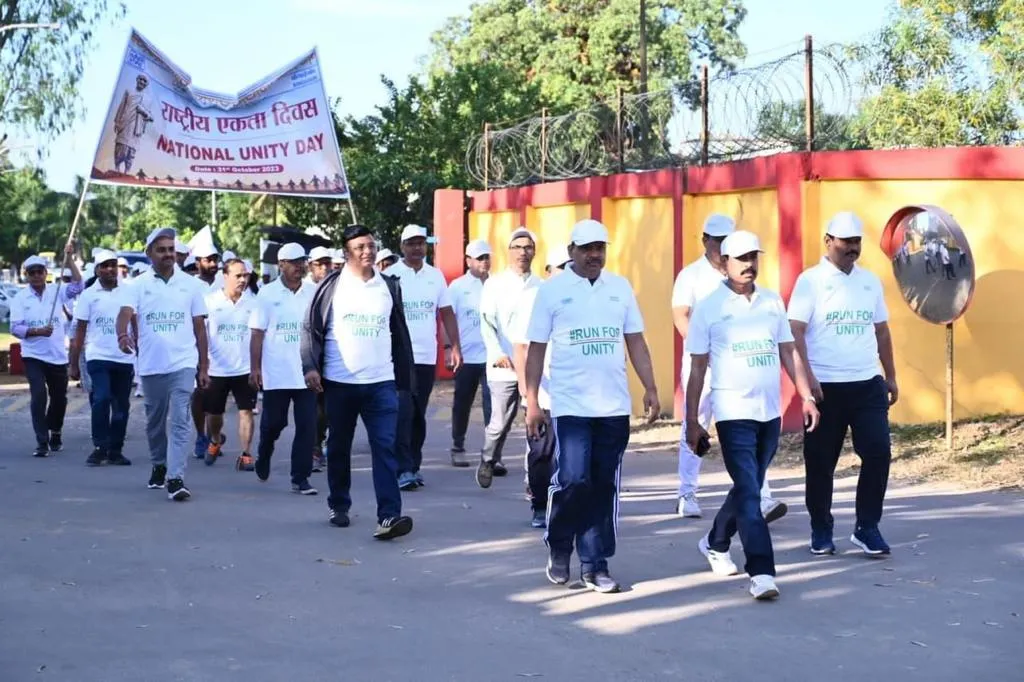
(583, 501)
(274, 420)
(111, 401)
(748, 447)
(377, 404)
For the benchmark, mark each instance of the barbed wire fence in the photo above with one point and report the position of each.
(754, 111)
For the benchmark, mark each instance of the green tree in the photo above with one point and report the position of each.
(782, 125)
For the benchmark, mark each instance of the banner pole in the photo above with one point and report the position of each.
(71, 238)
(213, 209)
(352, 210)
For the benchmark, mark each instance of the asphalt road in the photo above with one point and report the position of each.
(102, 580)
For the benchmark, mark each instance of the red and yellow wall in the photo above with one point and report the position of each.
(655, 223)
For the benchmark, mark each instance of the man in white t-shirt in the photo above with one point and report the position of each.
(840, 323)
(209, 280)
(320, 265)
(426, 299)
(694, 283)
(110, 371)
(37, 321)
(498, 302)
(356, 350)
(590, 319)
(385, 259)
(169, 311)
(465, 296)
(275, 366)
(741, 332)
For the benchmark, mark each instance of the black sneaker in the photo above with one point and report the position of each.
(303, 488)
(484, 474)
(499, 469)
(157, 478)
(540, 519)
(821, 542)
(177, 491)
(600, 581)
(262, 467)
(339, 519)
(393, 527)
(871, 541)
(41, 450)
(558, 568)
(117, 459)
(96, 457)
(56, 442)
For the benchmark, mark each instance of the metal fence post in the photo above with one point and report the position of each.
(809, 88)
(705, 125)
(620, 145)
(543, 143)
(487, 153)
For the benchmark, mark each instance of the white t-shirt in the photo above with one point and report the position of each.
(840, 312)
(518, 331)
(695, 282)
(423, 294)
(584, 326)
(498, 302)
(99, 308)
(281, 313)
(227, 326)
(465, 294)
(34, 311)
(165, 311)
(741, 338)
(357, 347)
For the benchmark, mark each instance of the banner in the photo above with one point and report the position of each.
(276, 136)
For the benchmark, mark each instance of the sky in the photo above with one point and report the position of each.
(226, 45)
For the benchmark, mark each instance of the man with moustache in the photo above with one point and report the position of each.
(36, 321)
(741, 332)
(465, 294)
(498, 302)
(110, 370)
(207, 268)
(590, 319)
(170, 312)
(426, 299)
(356, 349)
(840, 323)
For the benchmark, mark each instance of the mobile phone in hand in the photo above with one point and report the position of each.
(703, 446)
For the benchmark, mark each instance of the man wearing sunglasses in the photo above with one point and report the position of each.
(37, 321)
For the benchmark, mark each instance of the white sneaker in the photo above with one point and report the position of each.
(688, 507)
(763, 587)
(721, 562)
(772, 510)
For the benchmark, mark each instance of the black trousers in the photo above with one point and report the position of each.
(539, 467)
(48, 386)
(467, 380)
(412, 420)
(863, 408)
(274, 420)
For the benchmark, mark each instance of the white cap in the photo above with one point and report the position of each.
(557, 257)
(739, 243)
(478, 248)
(190, 260)
(291, 251)
(32, 262)
(337, 255)
(522, 232)
(384, 254)
(588, 232)
(159, 233)
(123, 262)
(413, 231)
(845, 225)
(202, 245)
(318, 252)
(718, 225)
(102, 256)
(229, 255)
(181, 247)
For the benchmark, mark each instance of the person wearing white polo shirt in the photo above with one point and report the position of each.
(110, 371)
(181, 252)
(590, 319)
(840, 323)
(337, 259)
(425, 297)
(123, 269)
(319, 264)
(465, 294)
(36, 321)
(741, 331)
(275, 365)
(385, 259)
(169, 311)
(498, 303)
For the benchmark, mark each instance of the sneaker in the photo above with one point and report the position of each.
(96, 457)
(156, 479)
(821, 542)
(393, 527)
(42, 450)
(419, 480)
(871, 541)
(119, 460)
(407, 481)
(721, 562)
(177, 491)
(772, 509)
(458, 457)
(600, 581)
(303, 488)
(244, 462)
(763, 587)
(319, 461)
(484, 474)
(500, 469)
(262, 467)
(202, 444)
(540, 519)
(558, 568)
(212, 453)
(56, 441)
(339, 519)
(687, 507)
